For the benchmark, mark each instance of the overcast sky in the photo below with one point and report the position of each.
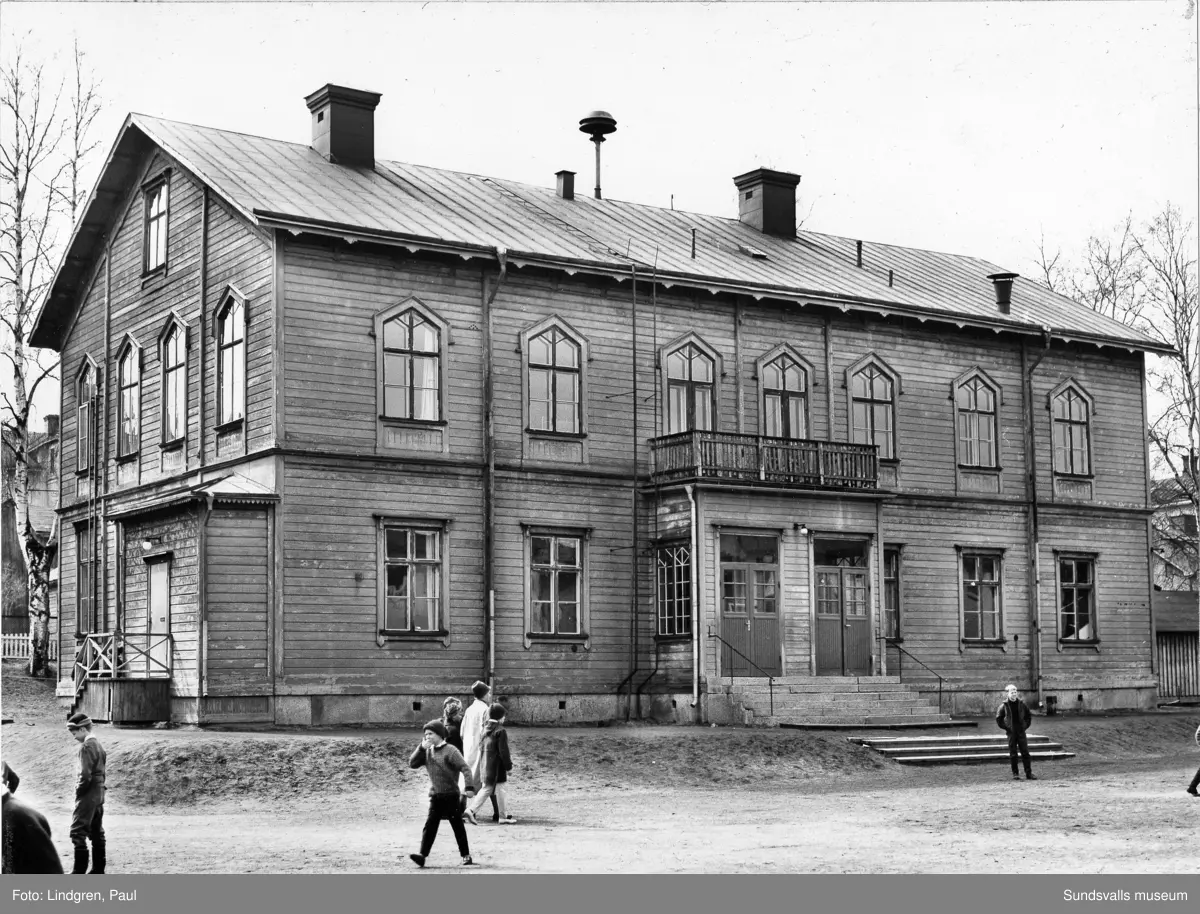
(966, 127)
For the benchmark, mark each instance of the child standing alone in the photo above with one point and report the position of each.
(494, 766)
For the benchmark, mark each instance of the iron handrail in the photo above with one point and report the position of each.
(940, 680)
(770, 678)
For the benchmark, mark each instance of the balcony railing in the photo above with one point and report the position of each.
(780, 461)
(123, 655)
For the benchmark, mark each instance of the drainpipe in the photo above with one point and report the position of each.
(1032, 523)
(489, 478)
(636, 665)
(695, 606)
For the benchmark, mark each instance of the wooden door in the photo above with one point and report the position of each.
(843, 622)
(750, 606)
(158, 603)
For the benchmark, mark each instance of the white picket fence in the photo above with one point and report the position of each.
(17, 646)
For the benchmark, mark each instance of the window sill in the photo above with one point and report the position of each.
(231, 425)
(126, 458)
(672, 639)
(889, 461)
(433, 635)
(156, 275)
(1001, 643)
(1070, 643)
(564, 639)
(413, 423)
(1079, 476)
(560, 436)
(175, 445)
(85, 472)
(899, 639)
(975, 468)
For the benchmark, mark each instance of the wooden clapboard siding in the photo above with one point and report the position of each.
(1114, 381)
(331, 299)
(86, 339)
(763, 328)
(604, 510)
(930, 612)
(1122, 598)
(330, 575)
(237, 602)
(177, 532)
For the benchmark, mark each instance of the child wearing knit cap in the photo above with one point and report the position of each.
(494, 766)
(444, 764)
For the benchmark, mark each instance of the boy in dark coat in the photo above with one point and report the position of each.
(444, 764)
(27, 844)
(87, 822)
(494, 765)
(1013, 718)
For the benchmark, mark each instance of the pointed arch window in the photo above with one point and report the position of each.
(784, 381)
(173, 357)
(85, 416)
(231, 359)
(691, 389)
(129, 413)
(873, 408)
(412, 346)
(976, 403)
(1071, 416)
(555, 382)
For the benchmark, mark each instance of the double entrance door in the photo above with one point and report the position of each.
(843, 614)
(750, 605)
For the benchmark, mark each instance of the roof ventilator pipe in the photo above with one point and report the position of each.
(1003, 283)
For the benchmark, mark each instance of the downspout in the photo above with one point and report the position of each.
(203, 323)
(635, 643)
(695, 605)
(1033, 533)
(489, 478)
(102, 470)
(203, 516)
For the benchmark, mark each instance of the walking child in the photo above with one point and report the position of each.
(1013, 718)
(444, 764)
(1196, 777)
(495, 764)
(87, 822)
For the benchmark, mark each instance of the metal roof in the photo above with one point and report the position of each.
(280, 184)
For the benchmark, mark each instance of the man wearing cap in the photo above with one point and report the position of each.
(87, 822)
(444, 764)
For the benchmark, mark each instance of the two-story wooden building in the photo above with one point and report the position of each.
(342, 435)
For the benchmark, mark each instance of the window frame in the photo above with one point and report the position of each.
(526, 336)
(760, 365)
(1093, 559)
(160, 183)
(685, 597)
(411, 303)
(1072, 386)
(664, 354)
(989, 552)
(174, 324)
(871, 359)
(129, 350)
(897, 550)
(228, 298)
(583, 636)
(984, 379)
(440, 526)
(86, 445)
(85, 533)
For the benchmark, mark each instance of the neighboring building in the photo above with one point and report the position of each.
(1175, 537)
(1177, 638)
(343, 435)
(43, 500)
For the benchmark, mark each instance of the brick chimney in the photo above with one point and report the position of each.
(52, 425)
(343, 125)
(767, 201)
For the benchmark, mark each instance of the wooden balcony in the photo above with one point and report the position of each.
(775, 461)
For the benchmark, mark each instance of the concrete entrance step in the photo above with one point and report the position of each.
(959, 749)
(891, 724)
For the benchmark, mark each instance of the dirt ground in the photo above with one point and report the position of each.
(621, 799)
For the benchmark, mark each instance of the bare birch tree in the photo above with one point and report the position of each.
(44, 144)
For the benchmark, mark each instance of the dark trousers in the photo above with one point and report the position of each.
(1017, 740)
(444, 806)
(87, 824)
(1195, 780)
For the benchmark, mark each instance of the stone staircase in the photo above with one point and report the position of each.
(959, 749)
(835, 702)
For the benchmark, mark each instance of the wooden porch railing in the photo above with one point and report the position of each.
(786, 461)
(123, 655)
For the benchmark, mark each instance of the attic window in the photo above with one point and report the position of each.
(752, 252)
